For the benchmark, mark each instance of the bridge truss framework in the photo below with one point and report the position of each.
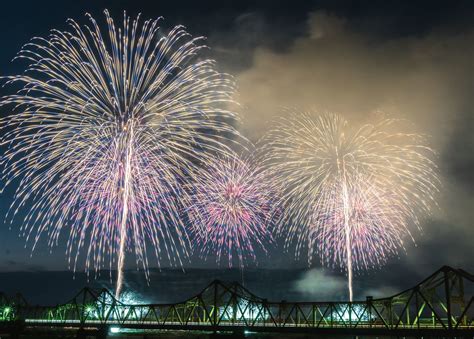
(441, 305)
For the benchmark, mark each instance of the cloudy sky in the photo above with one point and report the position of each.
(413, 60)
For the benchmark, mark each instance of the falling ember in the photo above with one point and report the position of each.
(351, 195)
(104, 132)
(232, 208)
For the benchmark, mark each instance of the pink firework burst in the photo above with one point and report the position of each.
(231, 209)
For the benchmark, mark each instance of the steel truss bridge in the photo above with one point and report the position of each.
(441, 306)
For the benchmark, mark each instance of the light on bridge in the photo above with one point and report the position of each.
(115, 330)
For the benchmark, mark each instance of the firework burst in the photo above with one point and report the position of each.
(352, 195)
(105, 129)
(231, 209)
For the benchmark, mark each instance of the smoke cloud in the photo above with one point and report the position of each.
(319, 285)
(426, 78)
(335, 68)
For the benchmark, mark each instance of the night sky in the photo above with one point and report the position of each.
(412, 58)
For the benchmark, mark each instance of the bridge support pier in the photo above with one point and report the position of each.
(16, 329)
(236, 334)
(81, 333)
(100, 333)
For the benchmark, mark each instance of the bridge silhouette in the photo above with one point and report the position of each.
(441, 305)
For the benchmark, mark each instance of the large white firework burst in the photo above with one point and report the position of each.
(350, 194)
(105, 129)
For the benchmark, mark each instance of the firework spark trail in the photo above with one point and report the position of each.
(123, 226)
(351, 195)
(232, 208)
(347, 235)
(104, 132)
